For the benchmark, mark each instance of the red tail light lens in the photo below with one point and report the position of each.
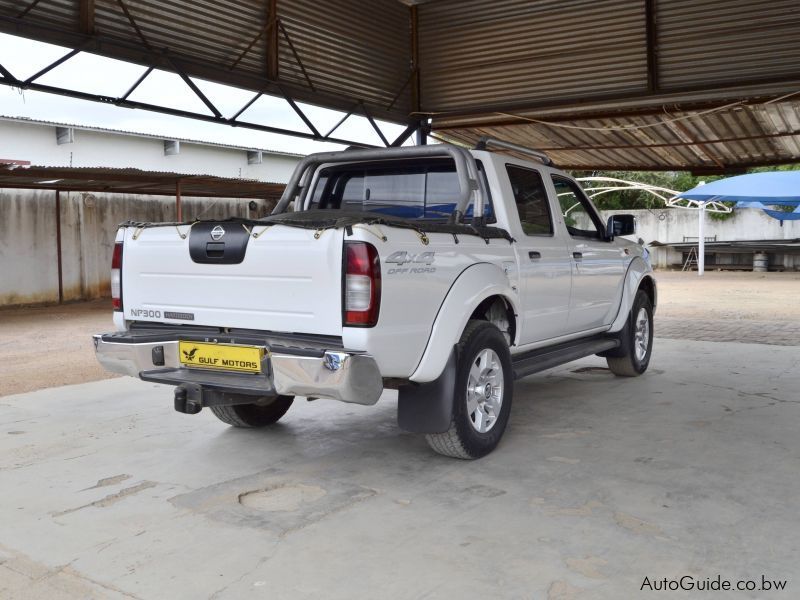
(362, 284)
(116, 277)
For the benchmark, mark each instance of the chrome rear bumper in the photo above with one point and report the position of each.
(340, 375)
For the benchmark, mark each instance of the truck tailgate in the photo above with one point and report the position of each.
(288, 281)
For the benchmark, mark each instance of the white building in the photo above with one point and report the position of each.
(50, 144)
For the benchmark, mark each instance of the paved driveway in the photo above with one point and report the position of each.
(599, 483)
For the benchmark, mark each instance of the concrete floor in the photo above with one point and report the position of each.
(691, 469)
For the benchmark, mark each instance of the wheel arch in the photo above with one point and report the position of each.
(638, 276)
(477, 288)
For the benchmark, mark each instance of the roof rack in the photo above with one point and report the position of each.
(486, 141)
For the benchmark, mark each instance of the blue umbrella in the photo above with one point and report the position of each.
(776, 187)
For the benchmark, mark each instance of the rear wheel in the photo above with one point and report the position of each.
(482, 395)
(636, 340)
(258, 414)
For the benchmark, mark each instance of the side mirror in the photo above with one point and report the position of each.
(621, 225)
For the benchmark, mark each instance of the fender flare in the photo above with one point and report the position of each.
(475, 283)
(638, 270)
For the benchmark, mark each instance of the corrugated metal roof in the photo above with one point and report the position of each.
(728, 138)
(134, 181)
(617, 66)
(476, 54)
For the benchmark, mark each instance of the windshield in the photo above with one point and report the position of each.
(426, 190)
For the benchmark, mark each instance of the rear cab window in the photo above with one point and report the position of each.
(530, 197)
(420, 190)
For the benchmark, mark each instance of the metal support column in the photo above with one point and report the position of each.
(178, 208)
(422, 134)
(701, 240)
(58, 248)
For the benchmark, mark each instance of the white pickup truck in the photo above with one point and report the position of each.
(442, 272)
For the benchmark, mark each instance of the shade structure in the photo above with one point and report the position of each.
(754, 190)
(711, 86)
(776, 187)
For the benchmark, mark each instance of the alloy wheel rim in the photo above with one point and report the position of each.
(484, 390)
(641, 340)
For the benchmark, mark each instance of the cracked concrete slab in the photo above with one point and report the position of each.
(599, 482)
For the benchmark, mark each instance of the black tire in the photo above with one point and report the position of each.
(625, 362)
(462, 439)
(261, 414)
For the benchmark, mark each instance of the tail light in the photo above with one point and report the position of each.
(362, 284)
(116, 277)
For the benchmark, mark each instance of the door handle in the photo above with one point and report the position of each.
(534, 255)
(577, 255)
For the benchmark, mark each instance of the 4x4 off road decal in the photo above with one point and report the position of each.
(402, 257)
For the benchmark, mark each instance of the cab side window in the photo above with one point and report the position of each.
(531, 199)
(579, 217)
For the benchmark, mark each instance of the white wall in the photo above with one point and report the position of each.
(36, 143)
(670, 225)
(28, 265)
(673, 224)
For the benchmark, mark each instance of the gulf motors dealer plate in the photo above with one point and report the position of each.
(223, 357)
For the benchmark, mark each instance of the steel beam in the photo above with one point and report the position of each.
(138, 53)
(296, 55)
(6, 73)
(415, 127)
(272, 39)
(28, 9)
(580, 108)
(245, 107)
(415, 79)
(137, 83)
(375, 126)
(126, 103)
(794, 133)
(86, 16)
(302, 115)
(51, 66)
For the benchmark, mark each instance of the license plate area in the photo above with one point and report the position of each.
(221, 357)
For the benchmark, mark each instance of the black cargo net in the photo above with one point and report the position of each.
(322, 219)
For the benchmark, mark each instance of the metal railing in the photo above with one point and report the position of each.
(486, 141)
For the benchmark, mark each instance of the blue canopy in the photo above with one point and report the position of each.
(756, 190)
(776, 187)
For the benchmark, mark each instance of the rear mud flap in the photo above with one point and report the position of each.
(428, 407)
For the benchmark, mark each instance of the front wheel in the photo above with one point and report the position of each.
(636, 340)
(482, 395)
(258, 414)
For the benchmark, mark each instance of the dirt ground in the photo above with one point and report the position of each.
(731, 295)
(51, 346)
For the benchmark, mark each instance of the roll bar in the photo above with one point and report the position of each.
(487, 141)
(466, 171)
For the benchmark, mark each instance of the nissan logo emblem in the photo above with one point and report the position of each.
(217, 233)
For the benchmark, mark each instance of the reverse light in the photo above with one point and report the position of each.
(116, 277)
(362, 284)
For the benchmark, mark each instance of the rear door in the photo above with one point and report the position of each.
(543, 258)
(597, 263)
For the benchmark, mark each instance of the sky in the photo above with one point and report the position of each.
(98, 75)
